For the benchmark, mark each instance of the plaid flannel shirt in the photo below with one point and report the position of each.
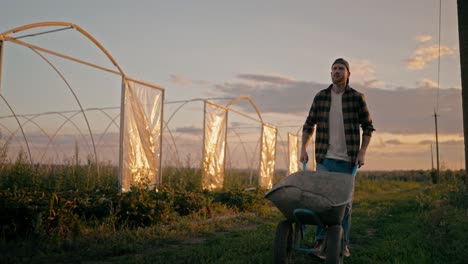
(355, 113)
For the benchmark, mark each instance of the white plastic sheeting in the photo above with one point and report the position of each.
(214, 147)
(268, 156)
(141, 135)
(293, 152)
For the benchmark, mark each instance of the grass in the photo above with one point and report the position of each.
(391, 227)
(396, 219)
(407, 223)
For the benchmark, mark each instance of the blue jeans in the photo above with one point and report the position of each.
(333, 165)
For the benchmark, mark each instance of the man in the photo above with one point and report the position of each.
(337, 112)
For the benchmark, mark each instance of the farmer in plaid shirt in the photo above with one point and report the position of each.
(337, 113)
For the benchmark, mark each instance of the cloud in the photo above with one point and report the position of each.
(427, 83)
(422, 56)
(362, 68)
(426, 142)
(179, 79)
(242, 125)
(410, 110)
(423, 38)
(363, 73)
(373, 83)
(453, 142)
(265, 78)
(393, 142)
(294, 97)
(403, 110)
(378, 142)
(183, 80)
(189, 130)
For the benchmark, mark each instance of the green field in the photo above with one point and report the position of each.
(71, 216)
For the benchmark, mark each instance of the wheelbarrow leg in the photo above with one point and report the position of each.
(334, 243)
(299, 232)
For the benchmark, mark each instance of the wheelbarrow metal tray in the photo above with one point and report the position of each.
(321, 192)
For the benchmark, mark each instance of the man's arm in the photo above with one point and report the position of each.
(361, 158)
(367, 130)
(307, 131)
(309, 126)
(305, 141)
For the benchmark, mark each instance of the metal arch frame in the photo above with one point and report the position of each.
(259, 140)
(13, 133)
(31, 120)
(183, 103)
(6, 101)
(284, 147)
(107, 128)
(261, 121)
(179, 107)
(242, 143)
(67, 119)
(229, 109)
(235, 100)
(166, 123)
(19, 124)
(186, 102)
(5, 36)
(173, 143)
(77, 101)
(112, 121)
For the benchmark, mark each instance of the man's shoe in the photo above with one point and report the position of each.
(346, 251)
(320, 246)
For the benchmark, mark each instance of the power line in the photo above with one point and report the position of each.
(436, 180)
(438, 60)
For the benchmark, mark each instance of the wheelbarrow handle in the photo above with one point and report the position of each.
(304, 165)
(355, 169)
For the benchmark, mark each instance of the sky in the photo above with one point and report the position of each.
(279, 53)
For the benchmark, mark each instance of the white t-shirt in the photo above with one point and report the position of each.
(337, 141)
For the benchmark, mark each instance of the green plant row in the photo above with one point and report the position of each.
(68, 214)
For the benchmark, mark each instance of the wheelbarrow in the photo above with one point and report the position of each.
(311, 198)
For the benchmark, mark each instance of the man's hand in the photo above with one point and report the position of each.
(361, 157)
(304, 156)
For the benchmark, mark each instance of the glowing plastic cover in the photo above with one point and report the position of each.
(214, 146)
(293, 150)
(268, 156)
(141, 146)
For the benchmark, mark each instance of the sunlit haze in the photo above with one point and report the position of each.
(279, 53)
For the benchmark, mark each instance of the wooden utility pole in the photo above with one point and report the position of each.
(462, 7)
(437, 175)
(432, 159)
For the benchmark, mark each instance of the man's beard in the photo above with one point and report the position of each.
(341, 80)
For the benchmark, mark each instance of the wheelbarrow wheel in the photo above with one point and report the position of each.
(282, 245)
(334, 245)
